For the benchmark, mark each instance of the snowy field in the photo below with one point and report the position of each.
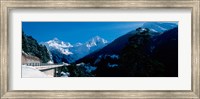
(29, 71)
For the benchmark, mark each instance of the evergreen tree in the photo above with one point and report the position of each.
(31, 46)
(78, 71)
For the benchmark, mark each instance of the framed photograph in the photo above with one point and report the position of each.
(99, 49)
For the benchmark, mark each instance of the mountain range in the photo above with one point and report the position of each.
(115, 47)
(66, 52)
(61, 51)
(148, 51)
(151, 50)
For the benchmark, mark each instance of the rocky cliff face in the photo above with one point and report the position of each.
(29, 59)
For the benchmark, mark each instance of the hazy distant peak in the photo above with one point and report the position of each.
(159, 26)
(96, 41)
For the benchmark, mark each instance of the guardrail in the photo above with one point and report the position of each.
(40, 64)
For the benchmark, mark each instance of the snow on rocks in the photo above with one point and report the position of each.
(65, 74)
(75, 51)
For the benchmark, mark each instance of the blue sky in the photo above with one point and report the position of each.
(74, 32)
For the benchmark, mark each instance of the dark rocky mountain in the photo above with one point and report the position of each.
(166, 51)
(115, 47)
(31, 47)
(138, 53)
(112, 48)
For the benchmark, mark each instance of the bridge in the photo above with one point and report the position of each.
(51, 70)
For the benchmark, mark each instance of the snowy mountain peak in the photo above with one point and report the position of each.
(159, 26)
(56, 39)
(57, 43)
(97, 40)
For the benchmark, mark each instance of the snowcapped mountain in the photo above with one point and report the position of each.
(64, 51)
(96, 43)
(80, 50)
(159, 26)
(59, 45)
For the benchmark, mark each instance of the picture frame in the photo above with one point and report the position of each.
(7, 5)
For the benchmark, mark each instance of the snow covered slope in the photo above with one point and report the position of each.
(159, 26)
(29, 72)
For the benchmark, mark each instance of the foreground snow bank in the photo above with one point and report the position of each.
(29, 71)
